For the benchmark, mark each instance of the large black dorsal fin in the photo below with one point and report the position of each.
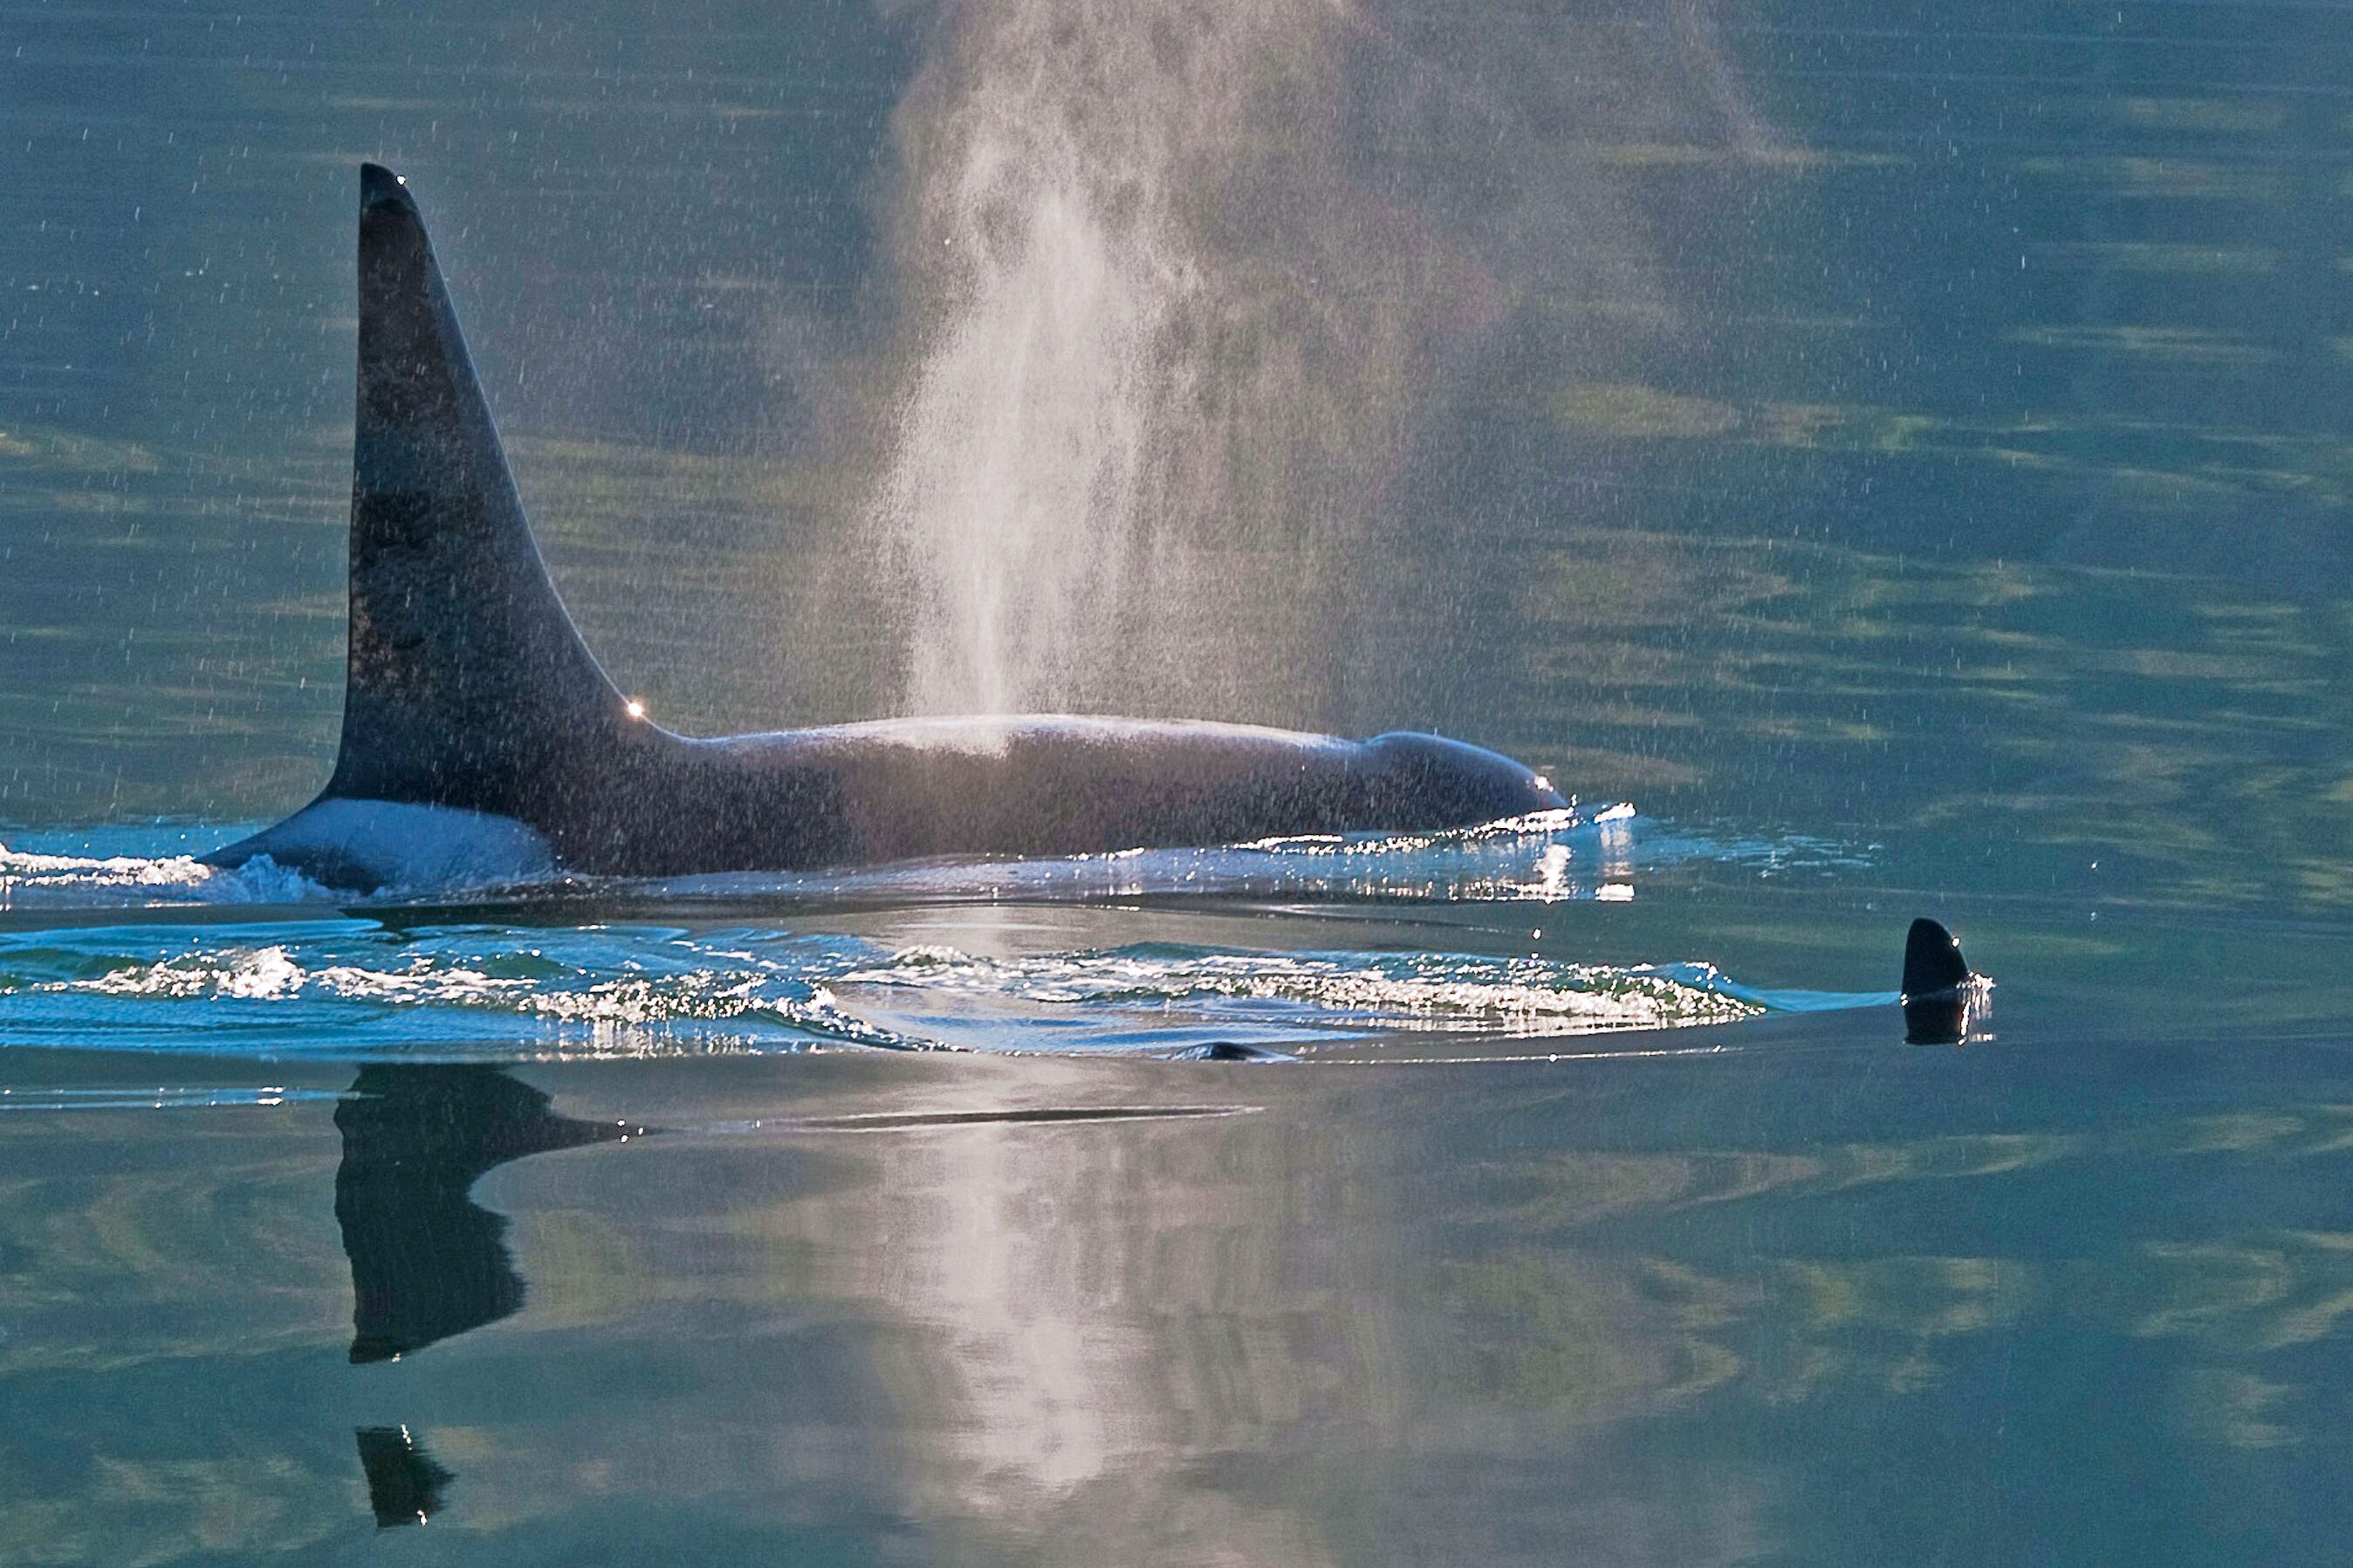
(465, 673)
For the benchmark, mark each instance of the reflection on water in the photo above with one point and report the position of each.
(933, 1309)
(426, 1262)
(403, 1483)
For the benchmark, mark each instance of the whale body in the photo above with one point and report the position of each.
(481, 734)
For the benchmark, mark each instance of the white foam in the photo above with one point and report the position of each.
(1435, 992)
(29, 879)
(640, 1004)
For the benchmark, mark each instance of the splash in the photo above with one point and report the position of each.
(33, 879)
(1336, 991)
(353, 986)
(404, 980)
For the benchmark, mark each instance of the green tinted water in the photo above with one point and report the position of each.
(1908, 443)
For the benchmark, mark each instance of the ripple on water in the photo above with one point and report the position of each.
(364, 979)
(357, 987)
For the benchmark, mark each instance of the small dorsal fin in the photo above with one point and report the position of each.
(465, 674)
(1932, 959)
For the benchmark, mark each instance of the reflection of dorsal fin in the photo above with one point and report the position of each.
(465, 672)
(426, 1260)
(1932, 959)
(403, 1483)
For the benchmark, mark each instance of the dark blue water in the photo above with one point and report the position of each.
(1902, 452)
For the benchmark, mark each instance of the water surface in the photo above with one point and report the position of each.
(1901, 450)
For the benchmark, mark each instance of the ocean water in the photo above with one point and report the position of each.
(1885, 461)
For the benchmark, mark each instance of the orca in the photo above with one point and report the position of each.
(481, 737)
(1942, 998)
